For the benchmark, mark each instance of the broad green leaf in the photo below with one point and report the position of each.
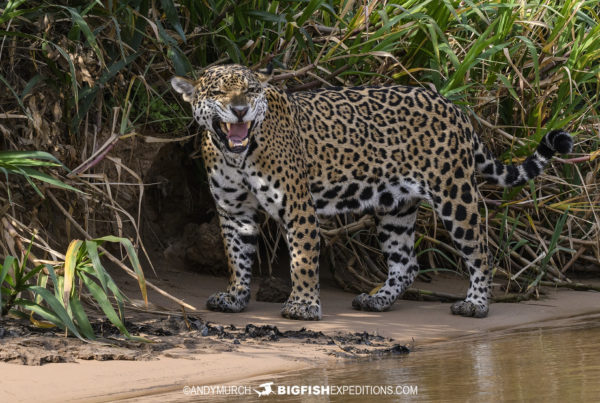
(92, 251)
(48, 179)
(112, 286)
(28, 155)
(135, 263)
(54, 279)
(102, 299)
(42, 281)
(82, 319)
(58, 309)
(45, 313)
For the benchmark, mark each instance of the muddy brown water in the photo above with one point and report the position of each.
(535, 364)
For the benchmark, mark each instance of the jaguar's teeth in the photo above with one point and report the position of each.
(228, 125)
(248, 124)
(233, 144)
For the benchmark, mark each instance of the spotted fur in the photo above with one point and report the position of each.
(339, 150)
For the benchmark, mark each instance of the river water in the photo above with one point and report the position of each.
(541, 364)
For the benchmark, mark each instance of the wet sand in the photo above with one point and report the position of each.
(408, 322)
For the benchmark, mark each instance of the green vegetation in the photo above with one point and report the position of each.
(54, 291)
(78, 73)
(24, 163)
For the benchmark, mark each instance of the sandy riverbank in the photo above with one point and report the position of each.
(193, 364)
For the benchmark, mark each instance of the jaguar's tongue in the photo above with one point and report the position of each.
(238, 132)
(237, 135)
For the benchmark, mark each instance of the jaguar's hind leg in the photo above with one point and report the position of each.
(462, 220)
(396, 236)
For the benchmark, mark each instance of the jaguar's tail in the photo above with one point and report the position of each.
(495, 171)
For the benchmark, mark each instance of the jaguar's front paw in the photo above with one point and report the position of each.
(225, 302)
(366, 302)
(469, 309)
(301, 311)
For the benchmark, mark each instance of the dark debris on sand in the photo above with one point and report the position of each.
(172, 336)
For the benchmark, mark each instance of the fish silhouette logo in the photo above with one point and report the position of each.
(266, 389)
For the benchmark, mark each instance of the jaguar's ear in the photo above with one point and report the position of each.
(184, 86)
(265, 75)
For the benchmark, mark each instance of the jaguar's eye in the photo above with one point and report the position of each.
(253, 89)
(217, 93)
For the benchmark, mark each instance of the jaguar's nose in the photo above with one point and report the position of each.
(239, 111)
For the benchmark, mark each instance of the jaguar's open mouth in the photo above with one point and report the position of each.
(234, 135)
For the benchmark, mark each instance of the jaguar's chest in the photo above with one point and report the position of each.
(236, 188)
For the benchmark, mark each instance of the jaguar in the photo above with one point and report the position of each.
(372, 149)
